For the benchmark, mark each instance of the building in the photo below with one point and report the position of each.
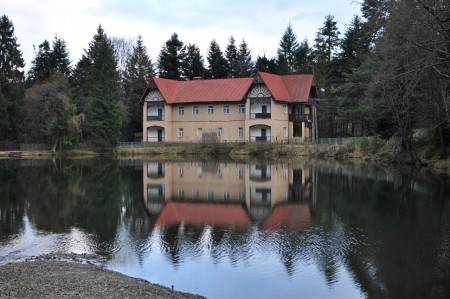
(263, 108)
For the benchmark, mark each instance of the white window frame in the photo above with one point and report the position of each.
(242, 108)
(226, 109)
(285, 132)
(180, 110)
(180, 132)
(199, 132)
(180, 172)
(240, 132)
(226, 195)
(210, 109)
(195, 110)
(220, 132)
(285, 108)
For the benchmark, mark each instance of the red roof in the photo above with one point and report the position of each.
(287, 88)
(222, 215)
(213, 90)
(295, 217)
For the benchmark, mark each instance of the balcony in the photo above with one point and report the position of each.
(260, 115)
(260, 138)
(155, 117)
(300, 118)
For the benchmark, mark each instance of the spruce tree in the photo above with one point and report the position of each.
(138, 70)
(217, 62)
(4, 118)
(264, 64)
(303, 60)
(327, 39)
(245, 63)
(170, 58)
(41, 66)
(103, 115)
(231, 54)
(354, 46)
(287, 51)
(11, 79)
(59, 58)
(193, 64)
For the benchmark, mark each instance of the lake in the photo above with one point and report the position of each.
(237, 230)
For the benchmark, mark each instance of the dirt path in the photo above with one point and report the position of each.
(60, 279)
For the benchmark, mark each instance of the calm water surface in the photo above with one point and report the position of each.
(229, 230)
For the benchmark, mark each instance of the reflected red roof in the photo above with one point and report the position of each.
(295, 217)
(214, 90)
(199, 214)
(287, 88)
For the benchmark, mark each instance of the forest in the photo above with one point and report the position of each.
(386, 75)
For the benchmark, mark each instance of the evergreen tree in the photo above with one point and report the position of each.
(59, 58)
(264, 64)
(193, 65)
(139, 69)
(354, 46)
(327, 39)
(303, 60)
(287, 51)
(245, 63)
(231, 54)
(217, 63)
(4, 119)
(170, 58)
(41, 66)
(11, 79)
(49, 112)
(103, 115)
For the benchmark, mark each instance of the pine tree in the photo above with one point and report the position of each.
(327, 38)
(231, 54)
(11, 79)
(245, 63)
(103, 115)
(264, 64)
(41, 66)
(217, 63)
(303, 60)
(170, 58)
(59, 59)
(193, 65)
(139, 69)
(287, 51)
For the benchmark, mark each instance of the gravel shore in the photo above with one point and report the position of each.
(62, 279)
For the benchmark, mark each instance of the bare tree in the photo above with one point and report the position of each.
(123, 48)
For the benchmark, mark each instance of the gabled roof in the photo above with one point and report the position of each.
(286, 88)
(290, 87)
(293, 217)
(211, 90)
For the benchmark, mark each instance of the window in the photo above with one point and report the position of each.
(194, 110)
(180, 132)
(226, 109)
(241, 132)
(226, 195)
(199, 132)
(285, 108)
(210, 109)
(241, 173)
(241, 108)
(181, 110)
(285, 132)
(210, 195)
(241, 196)
(307, 110)
(180, 172)
(195, 194)
(219, 132)
(180, 194)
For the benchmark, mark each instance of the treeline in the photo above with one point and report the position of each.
(387, 74)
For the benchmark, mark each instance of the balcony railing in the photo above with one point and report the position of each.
(155, 117)
(260, 138)
(260, 115)
(300, 118)
(155, 139)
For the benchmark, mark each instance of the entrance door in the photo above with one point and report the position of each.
(264, 109)
(263, 134)
(160, 135)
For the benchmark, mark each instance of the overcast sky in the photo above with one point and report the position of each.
(260, 22)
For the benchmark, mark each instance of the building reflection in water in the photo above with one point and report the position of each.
(230, 195)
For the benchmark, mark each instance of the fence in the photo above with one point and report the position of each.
(356, 140)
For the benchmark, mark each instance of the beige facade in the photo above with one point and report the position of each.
(259, 187)
(257, 118)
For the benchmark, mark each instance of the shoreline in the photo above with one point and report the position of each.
(386, 155)
(69, 276)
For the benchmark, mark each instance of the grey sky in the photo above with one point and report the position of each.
(260, 22)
